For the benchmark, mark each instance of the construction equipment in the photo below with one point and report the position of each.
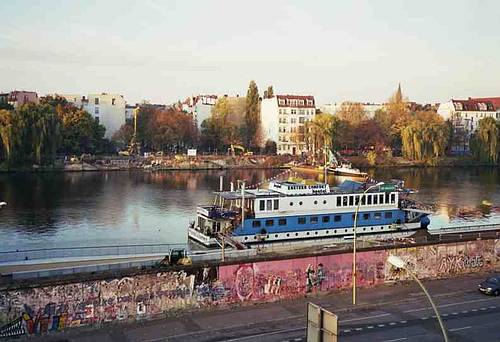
(233, 151)
(176, 257)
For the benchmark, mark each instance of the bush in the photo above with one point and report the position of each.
(371, 157)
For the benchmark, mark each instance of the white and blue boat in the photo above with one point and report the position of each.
(304, 210)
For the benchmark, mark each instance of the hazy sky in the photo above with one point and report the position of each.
(336, 50)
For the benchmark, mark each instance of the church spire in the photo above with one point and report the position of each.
(399, 94)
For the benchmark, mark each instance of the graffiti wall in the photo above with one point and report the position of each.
(51, 308)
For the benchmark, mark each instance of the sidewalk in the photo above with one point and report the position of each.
(254, 319)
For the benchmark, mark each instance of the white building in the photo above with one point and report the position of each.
(108, 109)
(283, 118)
(370, 108)
(200, 107)
(465, 115)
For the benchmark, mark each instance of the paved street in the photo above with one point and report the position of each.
(387, 313)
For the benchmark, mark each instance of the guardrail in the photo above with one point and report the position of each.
(465, 229)
(75, 252)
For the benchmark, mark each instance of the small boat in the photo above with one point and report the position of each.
(346, 169)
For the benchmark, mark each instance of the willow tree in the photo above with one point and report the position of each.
(425, 137)
(484, 142)
(8, 133)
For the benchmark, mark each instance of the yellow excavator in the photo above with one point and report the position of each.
(238, 150)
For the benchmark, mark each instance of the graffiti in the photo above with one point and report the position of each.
(455, 264)
(42, 310)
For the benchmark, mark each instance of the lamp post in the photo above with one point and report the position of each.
(354, 241)
(400, 263)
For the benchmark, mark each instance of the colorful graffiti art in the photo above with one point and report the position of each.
(51, 308)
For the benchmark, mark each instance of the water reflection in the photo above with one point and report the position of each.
(82, 209)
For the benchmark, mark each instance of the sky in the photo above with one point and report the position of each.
(163, 51)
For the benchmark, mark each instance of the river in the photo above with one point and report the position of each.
(118, 208)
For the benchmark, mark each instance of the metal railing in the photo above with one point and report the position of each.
(87, 252)
(465, 229)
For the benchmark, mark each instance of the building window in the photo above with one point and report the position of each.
(388, 215)
(256, 224)
(294, 111)
(301, 112)
(326, 219)
(337, 218)
(282, 222)
(302, 220)
(269, 223)
(96, 101)
(276, 204)
(262, 205)
(301, 119)
(314, 219)
(293, 120)
(96, 110)
(281, 111)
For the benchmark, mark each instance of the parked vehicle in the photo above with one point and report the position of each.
(491, 286)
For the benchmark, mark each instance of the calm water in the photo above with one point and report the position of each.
(116, 208)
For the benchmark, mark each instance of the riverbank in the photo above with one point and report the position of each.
(159, 163)
(395, 162)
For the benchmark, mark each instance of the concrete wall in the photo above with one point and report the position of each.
(51, 308)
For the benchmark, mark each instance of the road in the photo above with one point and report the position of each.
(387, 313)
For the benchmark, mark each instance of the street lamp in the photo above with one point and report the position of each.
(400, 263)
(354, 241)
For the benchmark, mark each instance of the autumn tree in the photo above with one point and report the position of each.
(252, 117)
(269, 92)
(352, 112)
(123, 136)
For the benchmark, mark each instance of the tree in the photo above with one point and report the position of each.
(221, 129)
(352, 112)
(123, 136)
(396, 115)
(8, 133)
(484, 143)
(270, 147)
(269, 92)
(425, 137)
(252, 117)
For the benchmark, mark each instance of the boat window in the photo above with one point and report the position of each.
(291, 204)
(256, 224)
(324, 202)
(387, 197)
(269, 223)
(381, 198)
(351, 200)
(356, 200)
(388, 214)
(377, 216)
(339, 201)
(315, 202)
(375, 199)
(282, 222)
(369, 199)
(326, 219)
(344, 201)
(276, 204)
(269, 205)
(366, 216)
(393, 198)
(363, 200)
(300, 203)
(337, 218)
(262, 205)
(302, 220)
(314, 219)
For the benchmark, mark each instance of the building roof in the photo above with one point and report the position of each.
(494, 100)
(473, 105)
(299, 101)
